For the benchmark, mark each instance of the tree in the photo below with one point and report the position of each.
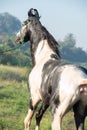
(69, 41)
(70, 52)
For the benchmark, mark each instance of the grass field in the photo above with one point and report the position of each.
(14, 101)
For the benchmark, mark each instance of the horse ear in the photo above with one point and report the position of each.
(34, 13)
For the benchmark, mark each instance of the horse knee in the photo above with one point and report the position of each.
(33, 103)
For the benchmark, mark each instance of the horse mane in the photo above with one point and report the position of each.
(39, 32)
(43, 33)
(51, 41)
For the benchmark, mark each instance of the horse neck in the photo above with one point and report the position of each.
(42, 52)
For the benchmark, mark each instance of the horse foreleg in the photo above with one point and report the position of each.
(39, 115)
(29, 116)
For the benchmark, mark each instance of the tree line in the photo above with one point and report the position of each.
(22, 57)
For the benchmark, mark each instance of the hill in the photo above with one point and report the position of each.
(8, 24)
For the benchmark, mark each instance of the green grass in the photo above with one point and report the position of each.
(14, 101)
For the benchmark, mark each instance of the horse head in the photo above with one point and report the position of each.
(28, 27)
(34, 13)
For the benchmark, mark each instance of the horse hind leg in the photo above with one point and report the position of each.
(80, 111)
(30, 113)
(59, 112)
(79, 118)
(39, 114)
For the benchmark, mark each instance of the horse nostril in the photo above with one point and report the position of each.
(18, 40)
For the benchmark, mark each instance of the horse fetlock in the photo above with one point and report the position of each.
(56, 125)
(26, 124)
(37, 127)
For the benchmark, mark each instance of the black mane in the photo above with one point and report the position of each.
(51, 41)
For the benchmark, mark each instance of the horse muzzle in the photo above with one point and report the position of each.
(18, 41)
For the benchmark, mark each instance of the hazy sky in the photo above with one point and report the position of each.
(60, 17)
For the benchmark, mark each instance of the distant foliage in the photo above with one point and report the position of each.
(16, 57)
(22, 55)
(70, 52)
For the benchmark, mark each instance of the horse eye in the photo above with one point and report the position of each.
(25, 22)
(29, 20)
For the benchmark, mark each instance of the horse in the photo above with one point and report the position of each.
(60, 85)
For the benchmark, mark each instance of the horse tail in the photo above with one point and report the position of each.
(83, 86)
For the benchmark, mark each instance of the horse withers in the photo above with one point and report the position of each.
(59, 85)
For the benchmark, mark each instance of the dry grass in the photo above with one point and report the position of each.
(10, 73)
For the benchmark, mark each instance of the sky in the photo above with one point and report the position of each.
(60, 17)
